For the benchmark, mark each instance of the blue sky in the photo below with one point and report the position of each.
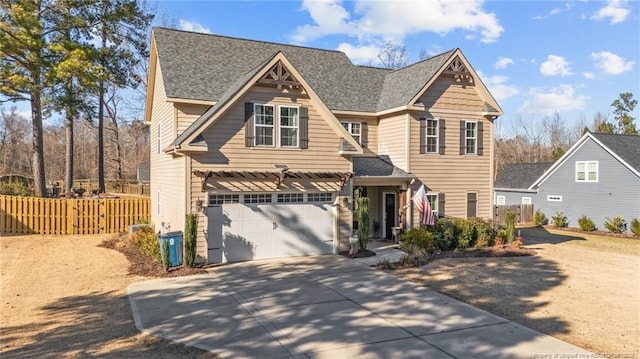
(536, 57)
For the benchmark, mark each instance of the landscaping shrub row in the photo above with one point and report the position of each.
(617, 224)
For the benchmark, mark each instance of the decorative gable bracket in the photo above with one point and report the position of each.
(280, 76)
(458, 70)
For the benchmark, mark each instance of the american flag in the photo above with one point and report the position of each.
(422, 204)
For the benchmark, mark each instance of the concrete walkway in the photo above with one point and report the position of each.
(325, 307)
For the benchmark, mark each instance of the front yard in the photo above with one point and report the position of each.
(583, 289)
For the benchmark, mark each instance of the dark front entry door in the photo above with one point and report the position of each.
(389, 214)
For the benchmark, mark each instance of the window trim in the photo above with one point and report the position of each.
(504, 200)
(466, 138)
(586, 171)
(436, 136)
(522, 201)
(280, 126)
(349, 128)
(554, 198)
(434, 208)
(256, 125)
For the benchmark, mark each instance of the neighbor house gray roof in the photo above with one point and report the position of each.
(377, 167)
(520, 175)
(626, 147)
(204, 67)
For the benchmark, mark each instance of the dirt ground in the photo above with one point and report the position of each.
(65, 297)
(583, 289)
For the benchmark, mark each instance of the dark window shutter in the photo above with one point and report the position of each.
(480, 141)
(441, 204)
(463, 143)
(364, 134)
(249, 125)
(304, 127)
(441, 135)
(423, 135)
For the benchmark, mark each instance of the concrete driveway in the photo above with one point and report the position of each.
(325, 307)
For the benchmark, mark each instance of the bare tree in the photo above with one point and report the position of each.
(393, 56)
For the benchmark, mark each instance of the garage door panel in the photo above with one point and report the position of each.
(247, 231)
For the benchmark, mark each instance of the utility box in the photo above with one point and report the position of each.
(175, 247)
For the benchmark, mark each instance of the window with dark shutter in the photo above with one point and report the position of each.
(364, 135)
(304, 127)
(463, 130)
(441, 135)
(480, 141)
(249, 129)
(423, 135)
(440, 204)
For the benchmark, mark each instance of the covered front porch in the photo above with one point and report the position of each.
(389, 191)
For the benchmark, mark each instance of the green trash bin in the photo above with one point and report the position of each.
(175, 247)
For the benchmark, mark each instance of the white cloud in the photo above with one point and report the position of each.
(555, 66)
(192, 26)
(610, 63)
(555, 11)
(393, 20)
(616, 10)
(588, 75)
(498, 86)
(545, 101)
(503, 62)
(363, 55)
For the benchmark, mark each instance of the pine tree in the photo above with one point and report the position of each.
(622, 107)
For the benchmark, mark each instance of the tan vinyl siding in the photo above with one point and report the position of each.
(167, 171)
(447, 93)
(186, 114)
(227, 151)
(392, 139)
(453, 174)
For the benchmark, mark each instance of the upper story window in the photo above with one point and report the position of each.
(432, 136)
(264, 126)
(269, 125)
(471, 137)
(586, 171)
(289, 126)
(354, 129)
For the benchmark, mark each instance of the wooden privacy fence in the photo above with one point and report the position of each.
(23, 215)
(524, 213)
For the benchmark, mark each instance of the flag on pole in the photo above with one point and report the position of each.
(422, 204)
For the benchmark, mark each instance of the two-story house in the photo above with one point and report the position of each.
(272, 144)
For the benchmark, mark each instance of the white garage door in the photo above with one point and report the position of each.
(244, 231)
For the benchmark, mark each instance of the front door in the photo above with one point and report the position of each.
(389, 215)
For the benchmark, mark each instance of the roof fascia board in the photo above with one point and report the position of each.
(484, 92)
(190, 101)
(561, 160)
(439, 111)
(523, 190)
(151, 80)
(354, 113)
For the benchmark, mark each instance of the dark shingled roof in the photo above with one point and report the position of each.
(626, 147)
(204, 67)
(520, 175)
(377, 167)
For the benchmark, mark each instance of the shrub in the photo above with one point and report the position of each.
(559, 219)
(500, 237)
(586, 224)
(446, 232)
(363, 222)
(385, 264)
(418, 241)
(468, 235)
(190, 235)
(146, 239)
(165, 255)
(635, 227)
(510, 226)
(14, 188)
(539, 218)
(616, 224)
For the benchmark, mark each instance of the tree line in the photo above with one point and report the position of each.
(73, 58)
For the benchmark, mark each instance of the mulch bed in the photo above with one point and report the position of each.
(489, 252)
(144, 265)
(362, 253)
